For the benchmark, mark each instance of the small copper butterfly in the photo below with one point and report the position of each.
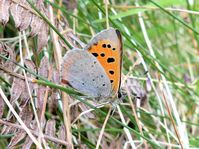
(95, 70)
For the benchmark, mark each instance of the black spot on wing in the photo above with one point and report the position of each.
(110, 60)
(111, 72)
(104, 45)
(102, 54)
(94, 62)
(95, 54)
(109, 46)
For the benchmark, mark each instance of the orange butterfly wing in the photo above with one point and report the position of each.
(106, 46)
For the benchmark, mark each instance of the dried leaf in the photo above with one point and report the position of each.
(27, 144)
(2, 52)
(50, 128)
(19, 135)
(62, 132)
(56, 76)
(53, 99)
(43, 71)
(74, 112)
(8, 130)
(42, 36)
(116, 144)
(26, 17)
(104, 143)
(44, 67)
(62, 43)
(53, 102)
(83, 146)
(40, 97)
(4, 11)
(2, 105)
(30, 65)
(37, 22)
(16, 11)
(137, 90)
(35, 25)
(25, 93)
(1, 47)
(8, 52)
(61, 135)
(17, 88)
(83, 108)
(22, 16)
(26, 114)
(43, 31)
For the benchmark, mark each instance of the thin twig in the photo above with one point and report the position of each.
(55, 39)
(172, 120)
(136, 117)
(128, 134)
(102, 130)
(45, 97)
(14, 74)
(66, 115)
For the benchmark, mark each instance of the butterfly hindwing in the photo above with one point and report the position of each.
(82, 71)
(106, 46)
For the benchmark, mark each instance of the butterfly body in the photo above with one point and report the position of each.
(96, 70)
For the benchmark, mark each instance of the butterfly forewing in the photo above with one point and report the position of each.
(106, 46)
(82, 71)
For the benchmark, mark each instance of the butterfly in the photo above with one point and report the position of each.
(95, 70)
